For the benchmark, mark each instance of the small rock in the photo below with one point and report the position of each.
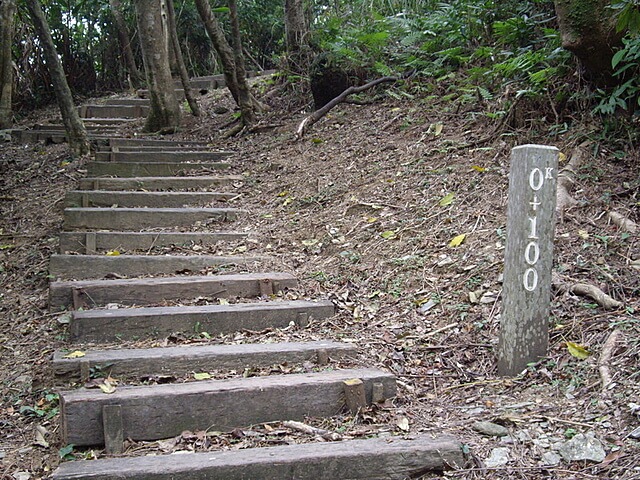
(550, 459)
(490, 429)
(499, 457)
(220, 110)
(583, 447)
(21, 476)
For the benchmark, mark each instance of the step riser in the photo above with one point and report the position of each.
(183, 360)
(113, 111)
(128, 170)
(160, 156)
(97, 198)
(121, 142)
(102, 326)
(388, 458)
(157, 183)
(101, 242)
(158, 290)
(163, 411)
(134, 219)
(127, 102)
(83, 267)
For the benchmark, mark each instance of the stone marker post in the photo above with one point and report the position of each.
(526, 292)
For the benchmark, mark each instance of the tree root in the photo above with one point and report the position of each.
(586, 290)
(321, 112)
(608, 349)
(623, 223)
(566, 180)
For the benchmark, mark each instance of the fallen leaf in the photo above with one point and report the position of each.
(372, 219)
(583, 234)
(75, 354)
(403, 424)
(447, 199)
(388, 234)
(202, 376)
(457, 241)
(578, 351)
(112, 253)
(561, 157)
(223, 301)
(478, 168)
(309, 243)
(288, 201)
(107, 387)
(283, 194)
(40, 433)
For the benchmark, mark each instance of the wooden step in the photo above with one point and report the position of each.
(94, 242)
(108, 198)
(157, 183)
(81, 267)
(175, 147)
(110, 325)
(135, 142)
(150, 169)
(113, 111)
(153, 412)
(161, 156)
(61, 128)
(385, 458)
(183, 360)
(107, 121)
(127, 101)
(150, 291)
(137, 218)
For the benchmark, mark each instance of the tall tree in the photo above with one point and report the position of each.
(125, 42)
(182, 68)
(7, 16)
(76, 132)
(245, 99)
(297, 37)
(154, 39)
(588, 31)
(236, 79)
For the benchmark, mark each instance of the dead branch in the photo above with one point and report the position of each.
(623, 223)
(586, 290)
(608, 350)
(308, 429)
(566, 179)
(321, 112)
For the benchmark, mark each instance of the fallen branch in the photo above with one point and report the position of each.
(566, 180)
(308, 429)
(623, 223)
(586, 290)
(608, 350)
(321, 112)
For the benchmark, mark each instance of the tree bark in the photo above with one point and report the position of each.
(125, 42)
(245, 99)
(219, 41)
(182, 68)
(76, 132)
(7, 17)
(297, 33)
(588, 29)
(154, 39)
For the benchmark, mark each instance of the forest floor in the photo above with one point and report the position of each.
(355, 209)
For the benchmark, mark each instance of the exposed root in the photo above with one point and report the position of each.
(321, 112)
(608, 349)
(623, 223)
(308, 429)
(586, 290)
(566, 179)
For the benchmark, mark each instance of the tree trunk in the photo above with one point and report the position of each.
(154, 39)
(182, 69)
(219, 41)
(588, 29)
(125, 42)
(76, 133)
(297, 33)
(7, 17)
(245, 99)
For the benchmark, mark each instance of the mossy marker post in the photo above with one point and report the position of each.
(526, 292)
